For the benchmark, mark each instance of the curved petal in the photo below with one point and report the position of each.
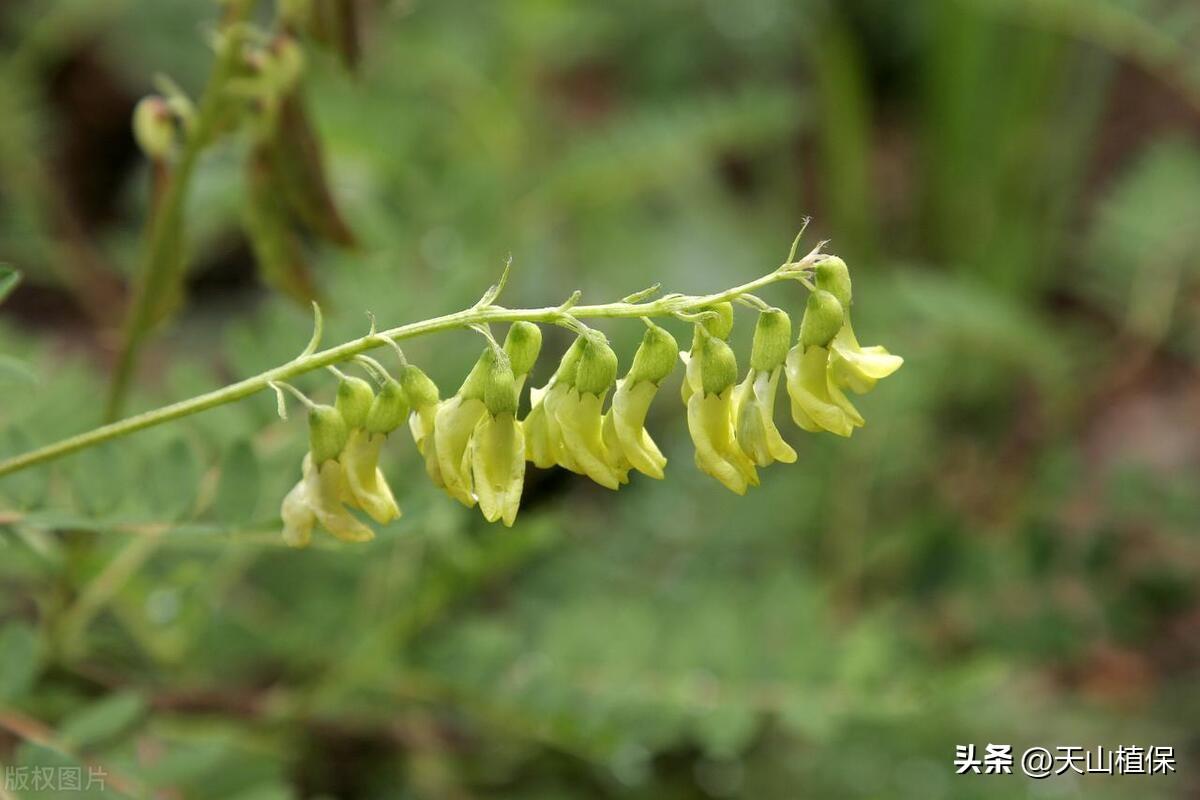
(422, 422)
(629, 408)
(498, 464)
(612, 446)
(710, 421)
(369, 489)
(298, 518)
(808, 386)
(579, 419)
(553, 402)
(858, 368)
(456, 420)
(536, 429)
(754, 407)
(326, 487)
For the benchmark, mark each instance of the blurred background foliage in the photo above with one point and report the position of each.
(1007, 553)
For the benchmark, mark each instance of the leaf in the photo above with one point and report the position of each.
(9, 278)
(18, 660)
(103, 720)
(170, 480)
(239, 484)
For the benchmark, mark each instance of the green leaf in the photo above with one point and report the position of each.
(171, 479)
(239, 484)
(9, 278)
(102, 720)
(18, 660)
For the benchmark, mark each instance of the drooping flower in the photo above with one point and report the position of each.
(422, 394)
(543, 435)
(579, 412)
(453, 425)
(711, 374)
(754, 397)
(628, 444)
(323, 489)
(818, 403)
(498, 448)
(360, 458)
(853, 366)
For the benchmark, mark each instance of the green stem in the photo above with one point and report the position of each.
(477, 315)
(161, 268)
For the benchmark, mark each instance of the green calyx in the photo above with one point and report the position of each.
(354, 398)
(720, 325)
(523, 344)
(597, 370)
(823, 318)
(500, 389)
(772, 338)
(418, 387)
(718, 364)
(834, 277)
(569, 365)
(153, 126)
(327, 433)
(389, 409)
(475, 384)
(655, 356)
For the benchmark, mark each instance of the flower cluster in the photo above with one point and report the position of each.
(475, 447)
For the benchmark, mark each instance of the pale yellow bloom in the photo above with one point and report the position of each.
(817, 401)
(498, 466)
(711, 372)
(368, 487)
(754, 412)
(318, 498)
(856, 367)
(454, 424)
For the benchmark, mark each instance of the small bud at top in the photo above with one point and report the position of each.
(154, 127)
(389, 409)
(834, 277)
(823, 317)
(354, 397)
(718, 364)
(721, 325)
(419, 388)
(597, 366)
(327, 433)
(655, 356)
(523, 343)
(772, 338)
(500, 391)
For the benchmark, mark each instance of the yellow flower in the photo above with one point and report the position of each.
(711, 373)
(542, 432)
(853, 366)
(624, 426)
(856, 367)
(422, 393)
(578, 411)
(817, 401)
(455, 422)
(318, 498)
(754, 398)
(368, 487)
(754, 410)
(498, 450)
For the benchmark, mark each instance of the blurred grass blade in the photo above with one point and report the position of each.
(9, 278)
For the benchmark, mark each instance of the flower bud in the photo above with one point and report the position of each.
(154, 127)
(721, 325)
(327, 433)
(823, 317)
(522, 344)
(834, 277)
(569, 366)
(418, 387)
(655, 356)
(597, 366)
(500, 391)
(354, 398)
(285, 62)
(717, 364)
(772, 338)
(389, 409)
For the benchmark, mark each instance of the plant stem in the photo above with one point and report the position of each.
(162, 268)
(477, 315)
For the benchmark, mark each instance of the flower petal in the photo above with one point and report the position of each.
(368, 487)
(580, 421)
(498, 464)
(326, 487)
(456, 420)
(808, 385)
(630, 404)
(710, 421)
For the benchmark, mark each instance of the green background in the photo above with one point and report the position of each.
(1007, 553)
